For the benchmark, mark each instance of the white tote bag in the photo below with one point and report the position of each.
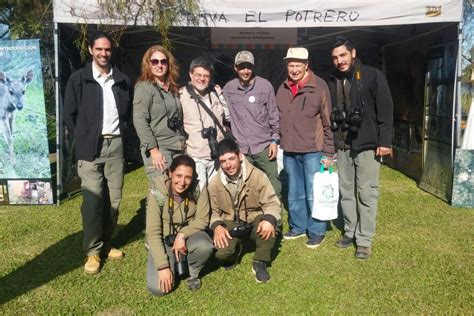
(325, 194)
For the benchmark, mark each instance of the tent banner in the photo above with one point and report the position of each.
(271, 13)
(25, 173)
(253, 38)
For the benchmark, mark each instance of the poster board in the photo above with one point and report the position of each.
(25, 172)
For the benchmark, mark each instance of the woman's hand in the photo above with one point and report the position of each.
(165, 277)
(179, 245)
(158, 159)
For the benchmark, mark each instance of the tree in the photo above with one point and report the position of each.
(34, 19)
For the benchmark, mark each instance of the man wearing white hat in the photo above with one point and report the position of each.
(304, 104)
(254, 117)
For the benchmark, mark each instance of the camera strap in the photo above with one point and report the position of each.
(177, 104)
(172, 227)
(196, 98)
(359, 86)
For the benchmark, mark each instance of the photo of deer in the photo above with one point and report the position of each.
(12, 99)
(24, 151)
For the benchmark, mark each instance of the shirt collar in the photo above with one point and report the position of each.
(300, 83)
(96, 73)
(249, 87)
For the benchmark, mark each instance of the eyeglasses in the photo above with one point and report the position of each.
(156, 62)
(201, 76)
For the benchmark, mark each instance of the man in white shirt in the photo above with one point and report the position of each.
(97, 106)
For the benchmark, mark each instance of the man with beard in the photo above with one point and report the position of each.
(362, 121)
(244, 207)
(97, 107)
(254, 117)
(204, 111)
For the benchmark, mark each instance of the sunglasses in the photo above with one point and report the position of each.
(156, 62)
(243, 66)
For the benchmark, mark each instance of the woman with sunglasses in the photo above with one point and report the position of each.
(176, 216)
(157, 112)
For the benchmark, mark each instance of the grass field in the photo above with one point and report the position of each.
(422, 262)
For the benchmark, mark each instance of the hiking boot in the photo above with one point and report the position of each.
(344, 242)
(314, 241)
(363, 252)
(114, 254)
(293, 235)
(259, 268)
(194, 284)
(92, 265)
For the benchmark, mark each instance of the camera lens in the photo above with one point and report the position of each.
(182, 265)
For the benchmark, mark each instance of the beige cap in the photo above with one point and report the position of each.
(244, 57)
(297, 53)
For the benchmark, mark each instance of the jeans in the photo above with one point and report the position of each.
(300, 168)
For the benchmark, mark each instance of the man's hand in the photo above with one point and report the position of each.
(383, 151)
(272, 151)
(327, 162)
(179, 245)
(266, 230)
(221, 234)
(165, 277)
(218, 89)
(158, 159)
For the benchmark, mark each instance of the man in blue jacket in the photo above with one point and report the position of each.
(97, 106)
(362, 122)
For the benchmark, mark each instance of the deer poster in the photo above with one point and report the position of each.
(25, 173)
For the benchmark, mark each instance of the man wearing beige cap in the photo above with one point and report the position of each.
(254, 117)
(304, 104)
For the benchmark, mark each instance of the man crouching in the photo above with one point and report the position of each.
(243, 205)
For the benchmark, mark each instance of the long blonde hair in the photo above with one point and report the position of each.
(172, 75)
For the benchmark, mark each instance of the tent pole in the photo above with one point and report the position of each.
(456, 130)
(58, 115)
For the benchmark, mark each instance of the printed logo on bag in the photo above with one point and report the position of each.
(328, 191)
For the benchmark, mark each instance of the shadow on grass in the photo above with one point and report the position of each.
(61, 258)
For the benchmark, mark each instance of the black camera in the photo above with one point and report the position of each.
(338, 119)
(241, 230)
(174, 123)
(181, 266)
(352, 121)
(169, 240)
(210, 134)
(355, 119)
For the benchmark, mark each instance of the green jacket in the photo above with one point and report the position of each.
(150, 117)
(256, 197)
(158, 218)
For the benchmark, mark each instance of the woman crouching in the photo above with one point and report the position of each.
(176, 216)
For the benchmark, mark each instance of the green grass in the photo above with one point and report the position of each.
(422, 262)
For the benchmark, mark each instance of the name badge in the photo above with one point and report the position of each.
(251, 99)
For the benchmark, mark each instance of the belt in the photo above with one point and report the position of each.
(109, 136)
